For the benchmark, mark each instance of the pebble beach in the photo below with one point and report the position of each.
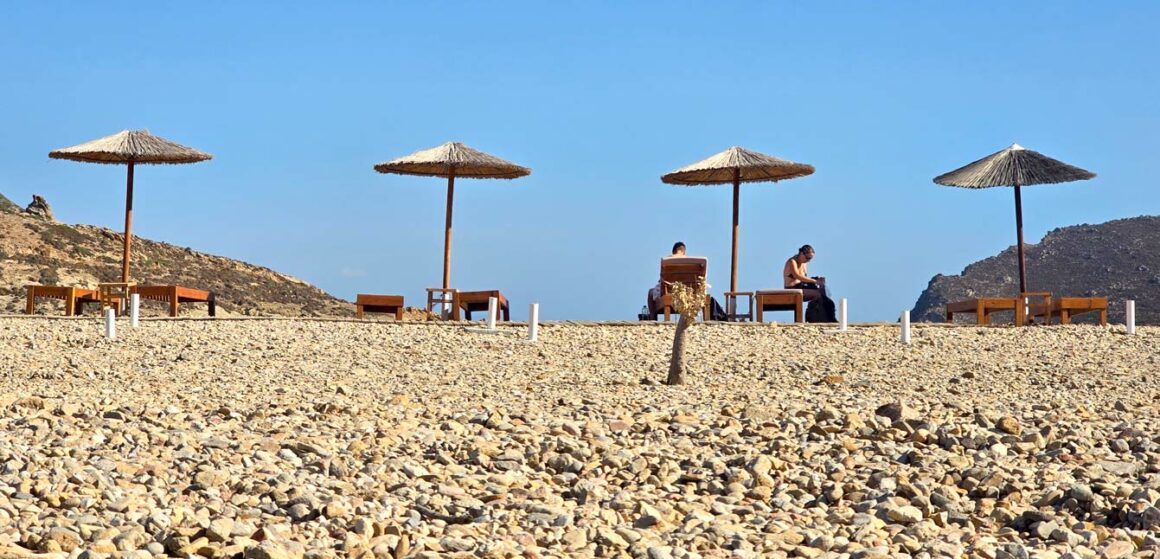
(298, 438)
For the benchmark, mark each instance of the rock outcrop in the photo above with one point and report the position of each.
(1119, 260)
(35, 249)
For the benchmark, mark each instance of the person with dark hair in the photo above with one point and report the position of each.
(821, 306)
(654, 292)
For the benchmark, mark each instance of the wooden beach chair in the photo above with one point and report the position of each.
(175, 295)
(1068, 307)
(983, 307)
(391, 304)
(780, 300)
(681, 269)
(74, 297)
(472, 301)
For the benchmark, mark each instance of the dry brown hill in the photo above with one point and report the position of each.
(36, 249)
(1119, 260)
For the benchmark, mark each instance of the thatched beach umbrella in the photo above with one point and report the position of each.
(737, 165)
(130, 147)
(452, 160)
(1015, 166)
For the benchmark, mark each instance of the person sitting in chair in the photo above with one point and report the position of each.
(716, 312)
(821, 307)
(654, 292)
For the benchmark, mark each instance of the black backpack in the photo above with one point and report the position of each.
(821, 310)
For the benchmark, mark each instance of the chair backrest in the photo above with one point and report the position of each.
(682, 269)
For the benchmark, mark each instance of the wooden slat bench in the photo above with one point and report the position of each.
(471, 301)
(390, 304)
(780, 300)
(175, 295)
(983, 307)
(74, 297)
(1068, 307)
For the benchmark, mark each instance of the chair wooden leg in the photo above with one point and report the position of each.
(398, 314)
(30, 307)
(507, 312)
(70, 302)
(950, 317)
(1103, 317)
(797, 313)
(760, 313)
(358, 311)
(981, 317)
(667, 316)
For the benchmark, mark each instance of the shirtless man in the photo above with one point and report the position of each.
(654, 293)
(813, 289)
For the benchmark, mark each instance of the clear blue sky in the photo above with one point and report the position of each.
(297, 102)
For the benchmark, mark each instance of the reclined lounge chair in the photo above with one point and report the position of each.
(681, 269)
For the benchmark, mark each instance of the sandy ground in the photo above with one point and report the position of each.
(293, 438)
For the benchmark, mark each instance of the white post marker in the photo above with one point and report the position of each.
(533, 322)
(1130, 319)
(842, 315)
(134, 308)
(110, 324)
(492, 303)
(906, 327)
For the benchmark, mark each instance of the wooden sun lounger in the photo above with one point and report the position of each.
(780, 300)
(1068, 307)
(471, 301)
(681, 269)
(175, 295)
(74, 297)
(984, 306)
(391, 304)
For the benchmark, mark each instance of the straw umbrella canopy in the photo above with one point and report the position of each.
(130, 148)
(452, 160)
(1014, 166)
(737, 165)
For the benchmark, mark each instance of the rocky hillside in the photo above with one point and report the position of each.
(36, 249)
(1119, 260)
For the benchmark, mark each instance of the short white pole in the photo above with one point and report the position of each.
(533, 322)
(492, 303)
(134, 308)
(842, 315)
(1131, 317)
(110, 324)
(906, 327)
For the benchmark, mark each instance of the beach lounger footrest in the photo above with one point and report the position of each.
(780, 300)
(472, 301)
(390, 304)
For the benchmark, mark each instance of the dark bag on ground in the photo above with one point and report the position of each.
(821, 310)
(715, 310)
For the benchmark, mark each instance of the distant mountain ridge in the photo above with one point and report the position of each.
(34, 249)
(1119, 260)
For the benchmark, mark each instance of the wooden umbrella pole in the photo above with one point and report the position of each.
(1019, 231)
(447, 232)
(128, 226)
(736, 199)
